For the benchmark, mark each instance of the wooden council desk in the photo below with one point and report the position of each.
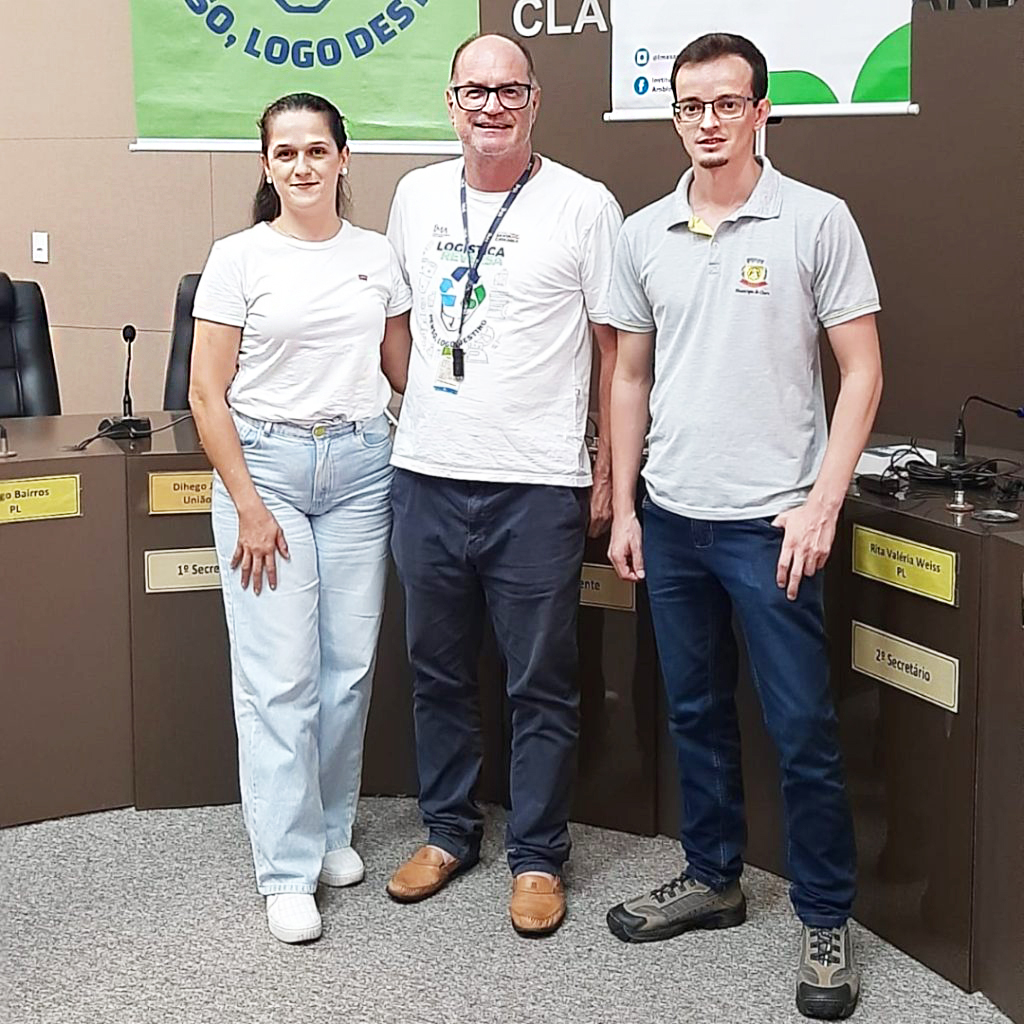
(928, 672)
(928, 640)
(65, 668)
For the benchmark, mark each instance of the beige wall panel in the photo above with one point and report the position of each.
(68, 68)
(123, 228)
(90, 367)
(235, 177)
(372, 182)
(372, 179)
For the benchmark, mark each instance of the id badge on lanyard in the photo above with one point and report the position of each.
(451, 368)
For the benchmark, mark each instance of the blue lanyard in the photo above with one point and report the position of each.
(473, 274)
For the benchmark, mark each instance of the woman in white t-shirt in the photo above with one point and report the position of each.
(301, 323)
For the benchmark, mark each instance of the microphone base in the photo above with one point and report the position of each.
(952, 461)
(126, 426)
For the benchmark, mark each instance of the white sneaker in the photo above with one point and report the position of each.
(293, 917)
(342, 867)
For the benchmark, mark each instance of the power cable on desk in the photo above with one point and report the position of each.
(82, 445)
(978, 474)
(908, 466)
(892, 482)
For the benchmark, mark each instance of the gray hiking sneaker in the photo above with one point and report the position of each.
(676, 907)
(828, 981)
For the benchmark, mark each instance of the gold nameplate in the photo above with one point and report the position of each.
(601, 587)
(182, 569)
(174, 493)
(919, 568)
(908, 666)
(40, 497)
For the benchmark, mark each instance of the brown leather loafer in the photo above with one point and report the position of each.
(423, 874)
(538, 904)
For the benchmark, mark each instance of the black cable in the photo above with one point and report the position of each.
(977, 474)
(981, 473)
(173, 423)
(896, 470)
(960, 435)
(82, 445)
(896, 465)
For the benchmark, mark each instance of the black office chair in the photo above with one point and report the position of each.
(28, 377)
(179, 360)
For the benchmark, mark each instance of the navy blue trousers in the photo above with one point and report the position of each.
(514, 551)
(698, 574)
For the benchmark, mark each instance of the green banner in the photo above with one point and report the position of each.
(206, 70)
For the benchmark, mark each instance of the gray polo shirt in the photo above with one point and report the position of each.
(738, 424)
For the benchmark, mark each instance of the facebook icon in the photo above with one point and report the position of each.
(641, 85)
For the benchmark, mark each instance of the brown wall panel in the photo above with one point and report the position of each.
(952, 302)
(937, 196)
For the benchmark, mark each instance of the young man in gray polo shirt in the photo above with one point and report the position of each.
(718, 293)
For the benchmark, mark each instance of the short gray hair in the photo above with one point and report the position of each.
(527, 56)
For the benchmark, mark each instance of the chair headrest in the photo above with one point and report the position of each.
(6, 298)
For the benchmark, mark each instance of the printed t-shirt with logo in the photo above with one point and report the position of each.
(519, 413)
(312, 317)
(738, 427)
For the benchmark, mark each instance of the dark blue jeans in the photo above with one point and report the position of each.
(513, 550)
(698, 573)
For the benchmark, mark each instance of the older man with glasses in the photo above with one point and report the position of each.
(509, 256)
(724, 285)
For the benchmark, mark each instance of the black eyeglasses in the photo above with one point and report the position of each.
(726, 108)
(512, 95)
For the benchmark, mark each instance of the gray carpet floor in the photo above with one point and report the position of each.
(151, 917)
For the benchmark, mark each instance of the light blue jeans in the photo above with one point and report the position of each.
(302, 655)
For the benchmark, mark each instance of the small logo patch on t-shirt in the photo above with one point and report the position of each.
(363, 277)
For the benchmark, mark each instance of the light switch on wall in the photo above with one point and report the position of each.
(40, 247)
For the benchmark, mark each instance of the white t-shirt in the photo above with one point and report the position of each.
(312, 317)
(519, 415)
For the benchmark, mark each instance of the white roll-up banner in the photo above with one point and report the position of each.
(824, 57)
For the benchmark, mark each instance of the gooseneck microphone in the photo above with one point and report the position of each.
(128, 334)
(126, 425)
(959, 454)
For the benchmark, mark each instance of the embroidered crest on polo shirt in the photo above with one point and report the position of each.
(754, 277)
